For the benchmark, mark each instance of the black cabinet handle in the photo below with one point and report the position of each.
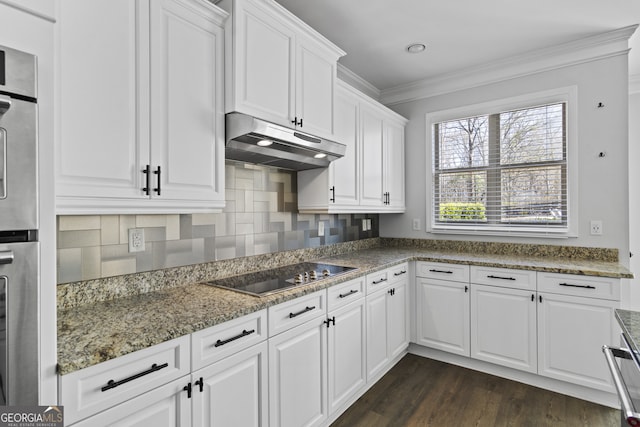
(392, 291)
(329, 321)
(540, 298)
(113, 384)
(188, 389)
(295, 121)
(501, 278)
(466, 289)
(147, 172)
(300, 121)
(351, 292)
(200, 383)
(400, 273)
(379, 281)
(577, 286)
(533, 297)
(157, 172)
(333, 194)
(441, 271)
(244, 333)
(292, 315)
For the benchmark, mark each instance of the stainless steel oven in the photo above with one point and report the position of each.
(19, 247)
(624, 364)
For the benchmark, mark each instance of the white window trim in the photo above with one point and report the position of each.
(567, 94)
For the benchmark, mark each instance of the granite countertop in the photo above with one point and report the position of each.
(96, 332)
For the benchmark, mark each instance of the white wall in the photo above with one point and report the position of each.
(603, 182)
(634, 196)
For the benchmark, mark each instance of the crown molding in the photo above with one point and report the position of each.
(348, 76)
(609, 44)
(634, 84)
(25, 9)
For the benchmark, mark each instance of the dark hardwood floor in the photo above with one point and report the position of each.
(425, 392)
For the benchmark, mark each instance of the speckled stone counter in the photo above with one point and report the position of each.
(630, 323)
(95, 329)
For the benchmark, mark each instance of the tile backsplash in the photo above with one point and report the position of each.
(260, 217)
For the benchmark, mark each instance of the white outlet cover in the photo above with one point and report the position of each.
(321, 228)
(136, 240)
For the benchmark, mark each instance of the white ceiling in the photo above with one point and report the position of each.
(459, 34)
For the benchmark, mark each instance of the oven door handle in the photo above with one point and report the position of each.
(6, 257)
(610, 353)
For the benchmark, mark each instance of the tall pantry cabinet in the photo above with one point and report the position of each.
(140, 118)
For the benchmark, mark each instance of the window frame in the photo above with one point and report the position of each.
(566, 95)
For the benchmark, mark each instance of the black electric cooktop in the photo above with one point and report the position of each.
(267, 282)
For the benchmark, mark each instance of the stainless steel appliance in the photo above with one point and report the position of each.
(626, 379)
(257, 141)
(280, 279)
(19, 247)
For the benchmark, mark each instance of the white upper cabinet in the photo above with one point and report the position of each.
(278, 68)
(140, 116)
(370, 177)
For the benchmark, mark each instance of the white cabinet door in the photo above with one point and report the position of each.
(398, 320)
(571, 333)
(315, 83)
(377, 335)
(298, 375)
(165, 406)
(442, 315)
(347, 353)
(503, 326)
(103, 102)
(394, 166)
(263, 57)
(372, 157)
(234, 390)
(187, 133)
(344, 172)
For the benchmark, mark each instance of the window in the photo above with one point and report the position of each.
(505, 170)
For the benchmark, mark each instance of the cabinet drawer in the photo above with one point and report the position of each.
(94, 389)
(443, 271)
(219, 341)
(584, 286)
(344, 293)
(398, 272)
(297, 311)
(504, 277)
(377, 280)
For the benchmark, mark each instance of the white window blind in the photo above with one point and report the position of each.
(504, 170)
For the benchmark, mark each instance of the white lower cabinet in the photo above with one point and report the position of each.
(387, 320)
(165, 406)
(503, 326)
(442, 310)
(298, 375)
(233, 391)
(571, 333)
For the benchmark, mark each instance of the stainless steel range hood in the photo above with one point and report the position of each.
(252, 140)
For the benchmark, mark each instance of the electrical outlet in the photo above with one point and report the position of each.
(136, 239)
(321, 228)
(596, 227)
(364, 225)
(369, 224)
(416, 224)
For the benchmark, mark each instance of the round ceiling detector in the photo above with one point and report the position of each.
(416, 47)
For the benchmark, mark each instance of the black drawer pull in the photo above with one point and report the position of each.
(400, 273)
(244, 333)
(292, 315)
(491, 276)
(441, 271)
(577, 286)
(351, 292)
(113, 384)
(379, 281)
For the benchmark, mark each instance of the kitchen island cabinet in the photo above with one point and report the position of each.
(279, 69)
(140, 118)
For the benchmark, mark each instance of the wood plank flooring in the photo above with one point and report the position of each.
(425, 392)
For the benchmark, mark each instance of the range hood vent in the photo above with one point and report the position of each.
(252, 140)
